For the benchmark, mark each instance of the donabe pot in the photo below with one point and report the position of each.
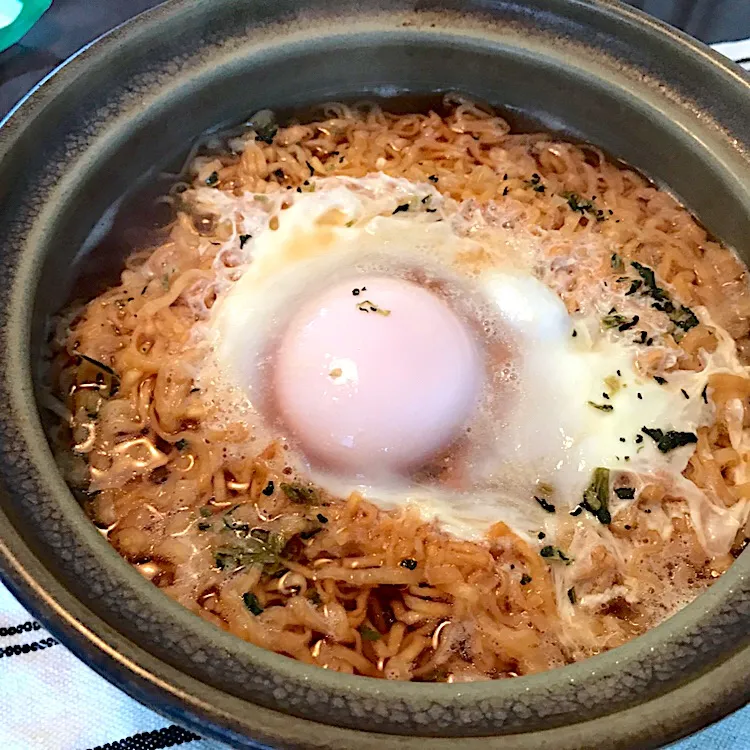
(593, 69)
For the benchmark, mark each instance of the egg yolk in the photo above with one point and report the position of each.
(376, 376)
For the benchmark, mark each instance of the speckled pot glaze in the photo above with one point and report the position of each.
(591, 68)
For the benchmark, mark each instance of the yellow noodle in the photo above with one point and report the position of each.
(368, 590)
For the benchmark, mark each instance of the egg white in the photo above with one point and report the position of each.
(550, 433)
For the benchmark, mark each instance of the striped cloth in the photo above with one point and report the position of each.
(737, 51)
(52, 701)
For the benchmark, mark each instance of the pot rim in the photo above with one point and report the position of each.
(138, 672)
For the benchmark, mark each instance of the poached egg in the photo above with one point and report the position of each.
(420, 358)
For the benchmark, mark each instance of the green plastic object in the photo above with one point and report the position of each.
(17, 17)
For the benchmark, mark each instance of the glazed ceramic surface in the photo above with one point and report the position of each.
(139, 97)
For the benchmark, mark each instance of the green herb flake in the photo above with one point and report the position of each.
(616, 263)
(555, 553)
(212, 179)
(368, 634)
(545, 504)
(266, 132)
(629, 324)
(260, 547)
(635, 285)
(613, 320)
(625, 493)
(648, 276)
(224, 560)
(300, 494)
(203, 525)
(369, 306)
(525, 579)
(409, 563)
(402, 207)
(252, 603)
(681, 317)
(601, 407)
(669, 440)
(582, 205)
(181, 444)
(243, 239)
(572, 595)
(684, 318)
(535, 183)
(206, 512)
(576, 203)
(239, 527)
(596, 495)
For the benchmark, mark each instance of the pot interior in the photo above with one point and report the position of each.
(130, 107)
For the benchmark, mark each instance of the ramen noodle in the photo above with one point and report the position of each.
(216, 512)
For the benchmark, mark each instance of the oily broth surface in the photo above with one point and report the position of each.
(208, 507)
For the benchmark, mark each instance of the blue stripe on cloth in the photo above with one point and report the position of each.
(158, 739)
